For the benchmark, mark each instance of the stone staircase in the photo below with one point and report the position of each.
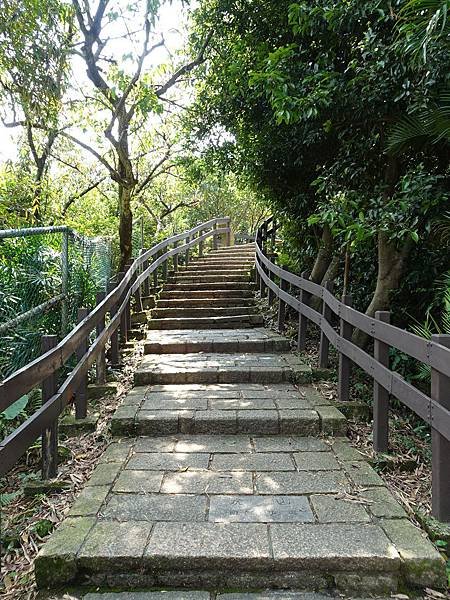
(230, 471)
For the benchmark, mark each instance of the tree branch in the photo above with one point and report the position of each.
(185, 68)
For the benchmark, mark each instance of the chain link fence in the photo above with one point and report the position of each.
(46, 274)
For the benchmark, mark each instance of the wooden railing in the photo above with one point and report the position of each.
(298, 291)
(110, 319)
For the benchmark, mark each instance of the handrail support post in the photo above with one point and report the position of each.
(324, 341)
(81, 393)
(345, 364)
(302, 320)
(49, 468)
(100, 365)
(440, 391)
(284, 286)
(380, 394)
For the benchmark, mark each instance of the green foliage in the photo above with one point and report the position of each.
(13, 411)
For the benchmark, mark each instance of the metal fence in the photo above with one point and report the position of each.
(46, 274)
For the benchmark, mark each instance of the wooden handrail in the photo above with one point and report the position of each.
(433, 409)
(116, 304)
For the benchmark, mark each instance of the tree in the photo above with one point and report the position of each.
(314, 88)
(129, 97)
(34, 51)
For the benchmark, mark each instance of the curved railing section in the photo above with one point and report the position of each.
(298, 291)
(110, 319)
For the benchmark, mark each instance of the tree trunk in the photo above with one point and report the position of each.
(125, 226)
(390, 268)
(324, 256)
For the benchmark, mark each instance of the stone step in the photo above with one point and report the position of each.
(202, 312)
(224, 261)
(231, 286)
(219, 408)
(215, 340)
(211, 264)
(212, 270)
(213, 278)
(207, 294)
(183, 302)
(221, 368)
(180, 594)
(238, 321)
(244, 512)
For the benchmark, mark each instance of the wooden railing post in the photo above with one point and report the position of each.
(186, 254)
(114, 341)
(165, 270)
(272, 294)
(81, 393)
(345, 364)
(201, 244)
(380, 394)
(100, 365)
(155, 272)
(440, 446)
(137, 293)
(123, 316)
(128, 306)
(284, 285)
(145, 283)
(175, 259)
(302, 320)
(215, 237)
(228, 234)
(49, 468)
(324, 342)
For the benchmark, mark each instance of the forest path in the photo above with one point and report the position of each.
(230, 470)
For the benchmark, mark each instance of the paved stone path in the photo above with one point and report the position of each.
(230, 471)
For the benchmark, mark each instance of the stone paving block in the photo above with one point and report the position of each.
(257, 421)
(124, 420)
(56, 562)
(252, 462)
(294, 403)
(209, 545)
(207, 482)
(344, 451)
(332, 509)
(214, 443)
(116, 452)
(332, 421)
(254, 509)
(422, 565)
(381, 503)
(334, 546)
(162, 461)
(155, 402)
(130, 481)
(289, 444)
(161, 595)
(316, 461)
(362, 474)
(305, 422)
(215, 421)
(273, 392)
(158, 422)
(135, 396)
(242, 404)
(273, 595)
(114, 546)
(301, 482)
(89, 501)
(152, 444)
(155, 507)
(104, 473)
